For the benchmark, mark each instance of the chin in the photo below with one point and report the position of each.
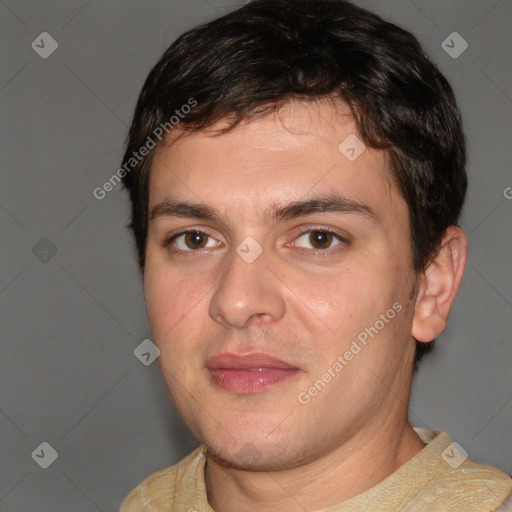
(248, 458)
(250, 455)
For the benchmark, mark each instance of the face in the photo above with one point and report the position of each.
(286, 249)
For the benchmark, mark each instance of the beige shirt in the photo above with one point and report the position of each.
(438, 478)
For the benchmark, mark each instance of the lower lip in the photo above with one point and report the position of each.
(247, 381)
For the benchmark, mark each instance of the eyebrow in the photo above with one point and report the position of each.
(331, 203)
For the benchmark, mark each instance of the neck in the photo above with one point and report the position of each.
(351, 469)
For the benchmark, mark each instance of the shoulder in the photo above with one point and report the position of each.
(160, 489)
(507, 506)
(459, 483)
(474, 485)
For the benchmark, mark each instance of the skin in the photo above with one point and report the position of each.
(301, 308)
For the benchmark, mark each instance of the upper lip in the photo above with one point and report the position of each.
(232, 361)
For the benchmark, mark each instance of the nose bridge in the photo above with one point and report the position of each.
(247, 288)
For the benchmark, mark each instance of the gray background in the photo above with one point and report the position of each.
(68, 375)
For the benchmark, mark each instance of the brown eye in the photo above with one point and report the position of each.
(191, 241)
(195, 240)
(320, 239)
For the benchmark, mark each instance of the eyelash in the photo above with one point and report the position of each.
(317, 252)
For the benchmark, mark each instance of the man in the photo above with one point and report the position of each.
(296, 173)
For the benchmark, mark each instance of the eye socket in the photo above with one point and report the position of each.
(196, 238)
(321, 239)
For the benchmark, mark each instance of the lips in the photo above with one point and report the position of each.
(257, 361)
(250, 373)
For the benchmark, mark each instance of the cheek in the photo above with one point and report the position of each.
(176, 316)
(342, 307)
(170, 301)
(160, 301)
(344, 299)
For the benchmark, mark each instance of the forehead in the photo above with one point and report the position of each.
(303, 148)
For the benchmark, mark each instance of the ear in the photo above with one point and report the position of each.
(438, 286)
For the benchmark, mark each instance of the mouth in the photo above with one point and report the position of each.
(250, 373)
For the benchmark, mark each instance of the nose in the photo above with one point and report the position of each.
(247, 290)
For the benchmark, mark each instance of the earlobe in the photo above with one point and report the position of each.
(438, 286)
